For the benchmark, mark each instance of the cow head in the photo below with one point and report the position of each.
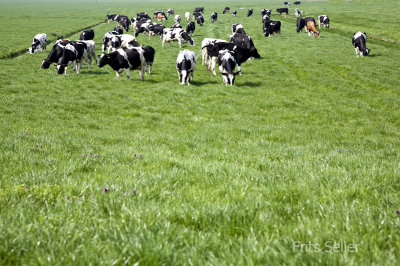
(45, 64)
(35, 44)
(254, 53)
(187, 38)
(104, 59)
(60, 69)
(366, 52)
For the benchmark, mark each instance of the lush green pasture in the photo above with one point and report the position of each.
(304, 149)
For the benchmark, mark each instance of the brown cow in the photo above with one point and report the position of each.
(160, 17)
(311, 29)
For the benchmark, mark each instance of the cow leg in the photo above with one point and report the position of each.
(150, 66)
(239, 69)
(79, 66)
(213, 64)
(141, 73)
(128, 73)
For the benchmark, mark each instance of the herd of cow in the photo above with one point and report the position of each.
(127, 54)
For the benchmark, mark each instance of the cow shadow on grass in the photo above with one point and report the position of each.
(252, 84)
(374, 55)
(93, 72)
(201, 83)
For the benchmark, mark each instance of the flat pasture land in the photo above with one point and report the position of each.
(297, 163)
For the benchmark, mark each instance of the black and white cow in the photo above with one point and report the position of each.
(204, 45)
(214, 17)
(87, 35)
(149, 53)
(200, 20)
(111, 18)
(286, 3)
(301, 23)
(55, 54)
(177, 18)
(73, 53)
(282, 10)
(170, 11)
(250, 12)
(185, 65)
(199, 9)
(196, 15)
(190, 27)
(126, 40)
(265, 18)
(138, 22)
(176, 25)
(298, 13)
(297, 2)
(234, 13)
(179, 35)
(39, 42)
(142, 16)
(125, 59)
(143, 28)
(271, 27)
(359, 42)
(238, 28)
(125, 23)
(324, 21)
(156, 29)
(119, 29)
(266, 12)
(226, 10)
(227, 64)
(90, 51)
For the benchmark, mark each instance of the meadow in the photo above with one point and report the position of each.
(301, 154)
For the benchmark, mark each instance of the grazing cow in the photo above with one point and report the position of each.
(55, 54)
(73, 53)
(200, 20)
(145, 27)
(170, 12)
(180, 35)
(142, 16)
(266, 12)
(244, 40)
(234, 12)
(298, 13)
(311, 29)
(282, 10)
(187, 16)
(125, 23)
(161, 16)
(177, 18)
(214, 17)
(90, 51)
(156, 29)
(297, 2)
(204, 44)
(286, 3)
(226, 10)
(242, 54)
(125, 59)
(271, 27)
(111, 18)
(190, 27)
(39, 42)
(196, 15)
(227, 64)
(137, 23)
(199, 10)
(324, 20)
(185, 65)
(301, 23)
(250, 12)
(307, 19)
(87, 35)
(119, 29)
(148, 53)
(359, 42)
(126, 40)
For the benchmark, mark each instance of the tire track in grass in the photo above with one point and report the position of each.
(23, 51)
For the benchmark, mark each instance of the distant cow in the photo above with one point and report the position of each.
(200, 20)
(311, 29)
(179, 35)
(282, 10)
(187, 16)
(227, 64)
(176, 25)
(324, 21)
(190, 27)
(119, 29)
(214, 17)
(73, 52)
(39, 42)
(87, 35)
(148, 54)
(298, 13)
(297, 2)
(125, 23)
(249, 12)
(145, 27)
(111, 18)
(359, 42)
(271, 27)
(177, 18)
(226, 10)
(234, 13)
(204, 45)
(125, 59)
(170, 12)
(142, 16)
(156, 29)
(266, 12)
(185, 65)
(199, 9)
(286, 3)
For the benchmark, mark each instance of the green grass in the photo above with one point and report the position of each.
(303, 148)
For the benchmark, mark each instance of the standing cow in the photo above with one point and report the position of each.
(227, 64)
(39, 42)
(185, 65)
(214, 17)
(226, 10)
(324, 21)
(250, 12)
(359, 42)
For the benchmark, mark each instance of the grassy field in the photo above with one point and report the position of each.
(302, 154)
